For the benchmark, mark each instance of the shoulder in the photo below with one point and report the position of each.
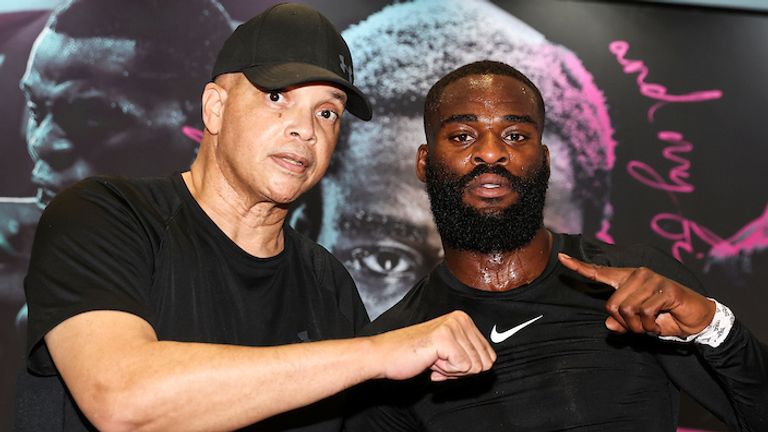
(109, 189)
(114, 197)
(633, 255)
(106, 211)
(597, 252)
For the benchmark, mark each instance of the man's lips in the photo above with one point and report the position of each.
(489, 186)
(291, 161)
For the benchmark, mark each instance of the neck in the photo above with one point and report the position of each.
(255, 224)
(501, 271)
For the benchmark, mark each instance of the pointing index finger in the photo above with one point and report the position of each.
(613, 276)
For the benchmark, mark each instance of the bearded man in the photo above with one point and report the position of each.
(562, 363)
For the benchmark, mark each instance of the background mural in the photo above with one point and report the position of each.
(654, 112)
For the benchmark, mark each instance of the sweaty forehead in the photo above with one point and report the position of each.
(57, 57)
(483, 92)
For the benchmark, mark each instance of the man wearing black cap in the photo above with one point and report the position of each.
(181, 303)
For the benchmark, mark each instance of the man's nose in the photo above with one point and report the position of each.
(301, 124)
(490, 150)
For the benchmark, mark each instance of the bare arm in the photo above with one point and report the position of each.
(122, 377)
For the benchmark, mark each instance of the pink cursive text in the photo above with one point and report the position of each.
(677, 178)
(652, 90)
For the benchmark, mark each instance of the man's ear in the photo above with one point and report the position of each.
(546, 154)
(214, 97)
(421, 162)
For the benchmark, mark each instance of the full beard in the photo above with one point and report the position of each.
(463, 227)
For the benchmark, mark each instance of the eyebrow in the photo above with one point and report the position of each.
(377, 224)
(340, 95)
(458, 118)
(463, 118)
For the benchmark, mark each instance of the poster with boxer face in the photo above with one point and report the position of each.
(653, 123)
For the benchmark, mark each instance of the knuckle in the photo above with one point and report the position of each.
(441, 332)
(644, 272)
(463, 364)
(452, 317)
(462, 316)
(627, 309)
(447, 332)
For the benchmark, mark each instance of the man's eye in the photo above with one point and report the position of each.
(384, 260)
(275, 96)
(462, 137)
(515, 137)
(328, 114)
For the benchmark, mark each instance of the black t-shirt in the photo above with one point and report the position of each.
(145, 246)
(558, 366)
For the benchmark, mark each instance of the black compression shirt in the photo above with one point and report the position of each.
(558, 367)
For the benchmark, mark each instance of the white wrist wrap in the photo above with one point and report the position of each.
(715, 333)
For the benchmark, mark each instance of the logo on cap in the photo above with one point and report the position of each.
(346, 69)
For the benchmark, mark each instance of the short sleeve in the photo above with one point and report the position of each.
(333, 276)
(349, 297)
(90, 253)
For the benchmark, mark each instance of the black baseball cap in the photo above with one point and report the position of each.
(290, 44)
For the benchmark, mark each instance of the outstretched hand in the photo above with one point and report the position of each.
(647, 302)
(450, 345)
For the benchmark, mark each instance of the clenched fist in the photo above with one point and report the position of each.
(450, 345)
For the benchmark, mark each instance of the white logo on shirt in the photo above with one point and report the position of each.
(497, 337)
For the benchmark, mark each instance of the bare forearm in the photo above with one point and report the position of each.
(193, 386)
(123, 378)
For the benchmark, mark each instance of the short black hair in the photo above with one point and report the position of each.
(483, 67)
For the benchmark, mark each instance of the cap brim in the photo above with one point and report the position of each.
(280, 76)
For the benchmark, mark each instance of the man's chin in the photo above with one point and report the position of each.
(491, 211)
(488, 209)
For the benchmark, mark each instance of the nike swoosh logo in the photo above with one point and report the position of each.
(497, 337)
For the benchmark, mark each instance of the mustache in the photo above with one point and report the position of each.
(464, 180)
